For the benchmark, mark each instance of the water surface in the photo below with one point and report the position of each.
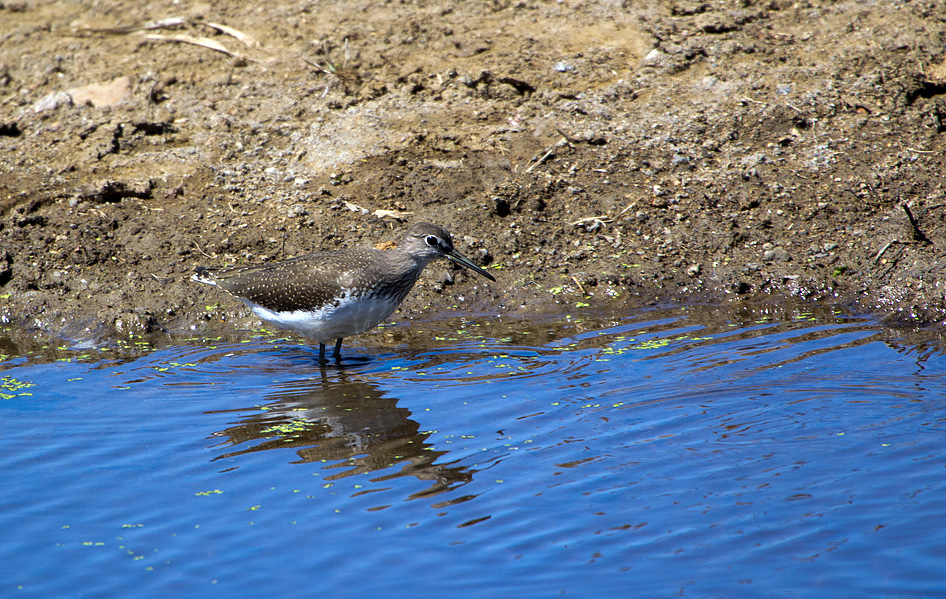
(675, 452)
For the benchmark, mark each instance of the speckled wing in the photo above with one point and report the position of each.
(308, 282)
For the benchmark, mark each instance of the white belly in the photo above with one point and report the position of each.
(351, 317)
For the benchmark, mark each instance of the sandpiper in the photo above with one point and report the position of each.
(327, 296)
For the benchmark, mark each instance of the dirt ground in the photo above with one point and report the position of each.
(594, 155)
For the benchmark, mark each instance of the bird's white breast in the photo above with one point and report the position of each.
(352, 315)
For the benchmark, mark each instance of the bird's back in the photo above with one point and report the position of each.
(316, 281)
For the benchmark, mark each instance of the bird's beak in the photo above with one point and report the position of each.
(462, 260)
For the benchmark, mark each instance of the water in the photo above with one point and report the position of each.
(675, 452)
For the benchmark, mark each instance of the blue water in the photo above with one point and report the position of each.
(674, 452)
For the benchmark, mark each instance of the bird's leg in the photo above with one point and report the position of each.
(322, 354)
(337, 354)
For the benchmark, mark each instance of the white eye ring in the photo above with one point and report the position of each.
(432, 241)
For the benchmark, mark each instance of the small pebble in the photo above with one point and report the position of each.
(778, 254)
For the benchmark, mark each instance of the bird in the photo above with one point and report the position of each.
(327, 296)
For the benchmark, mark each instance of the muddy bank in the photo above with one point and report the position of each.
(594, 156)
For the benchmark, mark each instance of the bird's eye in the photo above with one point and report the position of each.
(432, 241)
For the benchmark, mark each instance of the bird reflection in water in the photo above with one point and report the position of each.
(350, 425)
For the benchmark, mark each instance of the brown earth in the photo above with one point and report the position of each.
(597, 155)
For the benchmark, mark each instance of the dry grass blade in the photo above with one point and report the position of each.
(203, 42)
(245, 39)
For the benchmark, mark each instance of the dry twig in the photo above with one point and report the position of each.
(580, 288)
(605, 219)
(918, 235)
(548, 153)
(201, 250)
